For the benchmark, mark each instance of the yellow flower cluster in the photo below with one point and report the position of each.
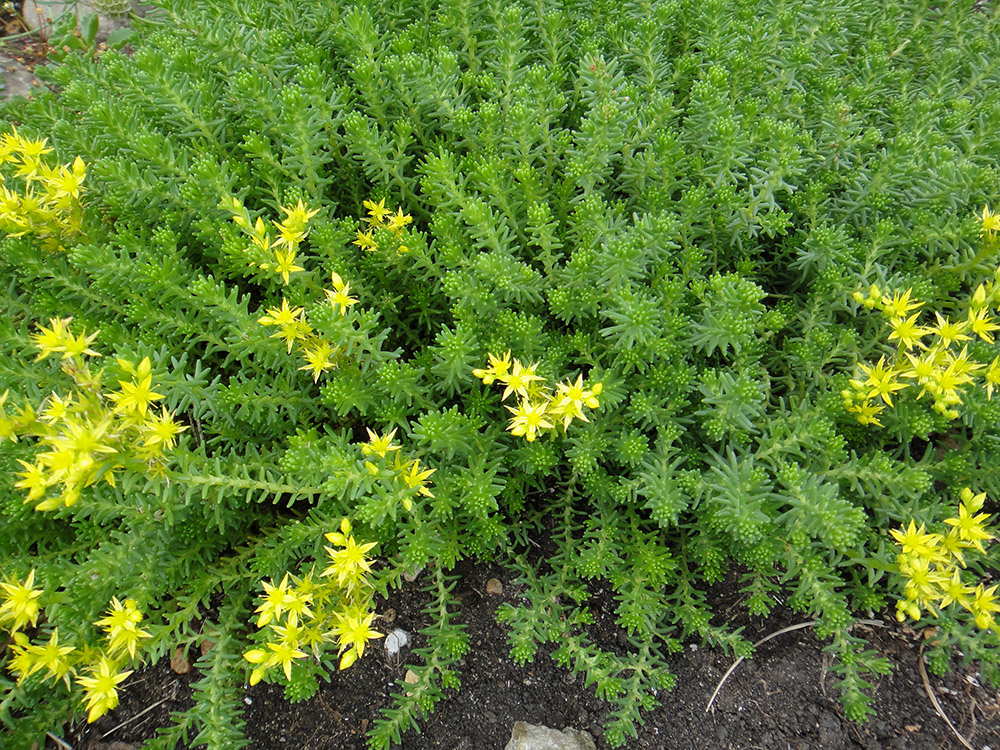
(932, 565)
(990, 223)
(303, 613)
(291, 232)
(320, 354)
(88, 433)
(60, 661)
(37, 198)
(408, 471)
(380, 217)
(931, 355)
(538, 409)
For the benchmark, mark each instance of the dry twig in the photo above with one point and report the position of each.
(934, 700)
(62, 743)
(130, 719)
(765, 639)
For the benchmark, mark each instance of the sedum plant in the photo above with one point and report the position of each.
(474, 276)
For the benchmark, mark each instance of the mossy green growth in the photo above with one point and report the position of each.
(676, 200)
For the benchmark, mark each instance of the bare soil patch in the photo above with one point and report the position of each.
(781, 699)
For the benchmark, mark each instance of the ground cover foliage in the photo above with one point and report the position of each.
(678, 209)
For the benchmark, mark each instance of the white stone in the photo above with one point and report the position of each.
(395, 641)
(411, 575)
(532, 737)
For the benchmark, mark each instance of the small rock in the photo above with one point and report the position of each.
(395, 641)
(206, 646)
(494, 587)
(39, 17)
(410, 678)
(532, 737)
(17, 79)
(411, 575)
(464, 744)
(178, 662)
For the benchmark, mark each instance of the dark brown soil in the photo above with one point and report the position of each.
(782, 699)
(18, 44)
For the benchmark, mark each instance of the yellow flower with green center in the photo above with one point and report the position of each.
(899, 305)
(953, 589)
(296, 607)
(52, 657)
(297, 330)
(366, 241)
(398, 221)
(498, 368)
(906, 331)
(350, 563)
(867, 412)
(318, 358)
(20, 605)
(283, 655)
(981, 324)
(379, 445)
(916, 541)
(65, 183)
(519, 379)
(101, 688)
(949, 332)
(341, 294)
(52, 340)
(989, 221)
(76, 346)
(416, 478)
(34, 480)
(121, 624)
(376, 211)
(23, 661)
(280, 316)
(984, 606)
(882, 379)
(570, 398)
(971, 527)
(920, 585)
(136, 396)
(276, 600)
(285, 264)
(161, 431)
(292, 229)
(354, 630)
(529, 419)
